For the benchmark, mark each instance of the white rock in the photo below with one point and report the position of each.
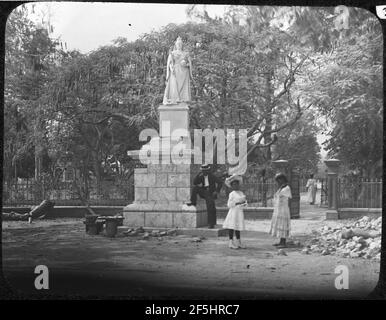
(374, 245)
(354, 254)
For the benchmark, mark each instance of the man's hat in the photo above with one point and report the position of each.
(235, 177)
(205, 167)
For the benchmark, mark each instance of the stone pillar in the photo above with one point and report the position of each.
(294, 203)
(293, 181)
(161, 190)
(332, 188)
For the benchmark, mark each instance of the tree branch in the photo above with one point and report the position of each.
(266, 145)
(290, 79)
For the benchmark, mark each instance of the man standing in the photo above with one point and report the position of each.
(207, 186)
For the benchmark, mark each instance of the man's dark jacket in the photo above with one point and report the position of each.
(215, 183)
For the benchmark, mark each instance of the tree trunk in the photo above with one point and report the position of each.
(97, 170)
(268, 114)
(42, 209)
(85, 181)
(37, 164)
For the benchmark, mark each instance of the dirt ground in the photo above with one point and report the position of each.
(81, 265)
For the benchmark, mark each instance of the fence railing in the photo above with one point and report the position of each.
(259, 192)
(65, 193)
(302, 185)
(359, 192)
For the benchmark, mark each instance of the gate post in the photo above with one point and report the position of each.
(293, 181)
(332, 188)
(294, 203)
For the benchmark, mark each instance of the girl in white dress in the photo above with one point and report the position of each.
(281, 219)
(234, 220)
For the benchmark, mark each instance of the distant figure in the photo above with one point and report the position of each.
(207, 186)
(311, 188)
(281, 219)
(234, 220)
(178, 75)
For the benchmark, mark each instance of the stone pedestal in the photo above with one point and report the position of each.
(161, 190)
(177, 115)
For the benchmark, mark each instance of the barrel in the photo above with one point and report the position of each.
(92, 228)
(111, 227)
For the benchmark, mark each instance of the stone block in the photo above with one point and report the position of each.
(168, 206)
(172, 118)
(162, 193)
(138, 205)
(144, 180)
(179, 180)
(140, 170)
(153, 168)
(140, 193)
(162, 168)
(161, 180)
(186, 219)
(159, 219)
(169, 168)
(133, 218)
(183, 194)
(332, 215)
(182, 168)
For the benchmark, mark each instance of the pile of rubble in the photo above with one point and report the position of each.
(360, 238)
(141, 232)
(147, 234)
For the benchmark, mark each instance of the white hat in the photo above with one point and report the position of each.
(232, 178)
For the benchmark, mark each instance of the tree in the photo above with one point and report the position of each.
(346, 86)
(98, 106)
(28, 58)
(298, 143)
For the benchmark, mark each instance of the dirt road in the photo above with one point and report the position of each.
(171, 267)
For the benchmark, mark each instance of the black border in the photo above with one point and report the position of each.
(129, 306)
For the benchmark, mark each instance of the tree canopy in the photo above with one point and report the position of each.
(271, 70)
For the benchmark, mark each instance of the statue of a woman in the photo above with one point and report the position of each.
(178, 75)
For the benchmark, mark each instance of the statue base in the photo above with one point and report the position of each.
(161, 194)
(162, 190)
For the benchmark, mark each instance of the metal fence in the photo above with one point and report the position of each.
(302, 184)
(357, 192)
(260, 192)
(112, 192)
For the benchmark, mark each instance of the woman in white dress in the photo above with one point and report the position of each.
(234, 220)
(311, 188)
(281, 219)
